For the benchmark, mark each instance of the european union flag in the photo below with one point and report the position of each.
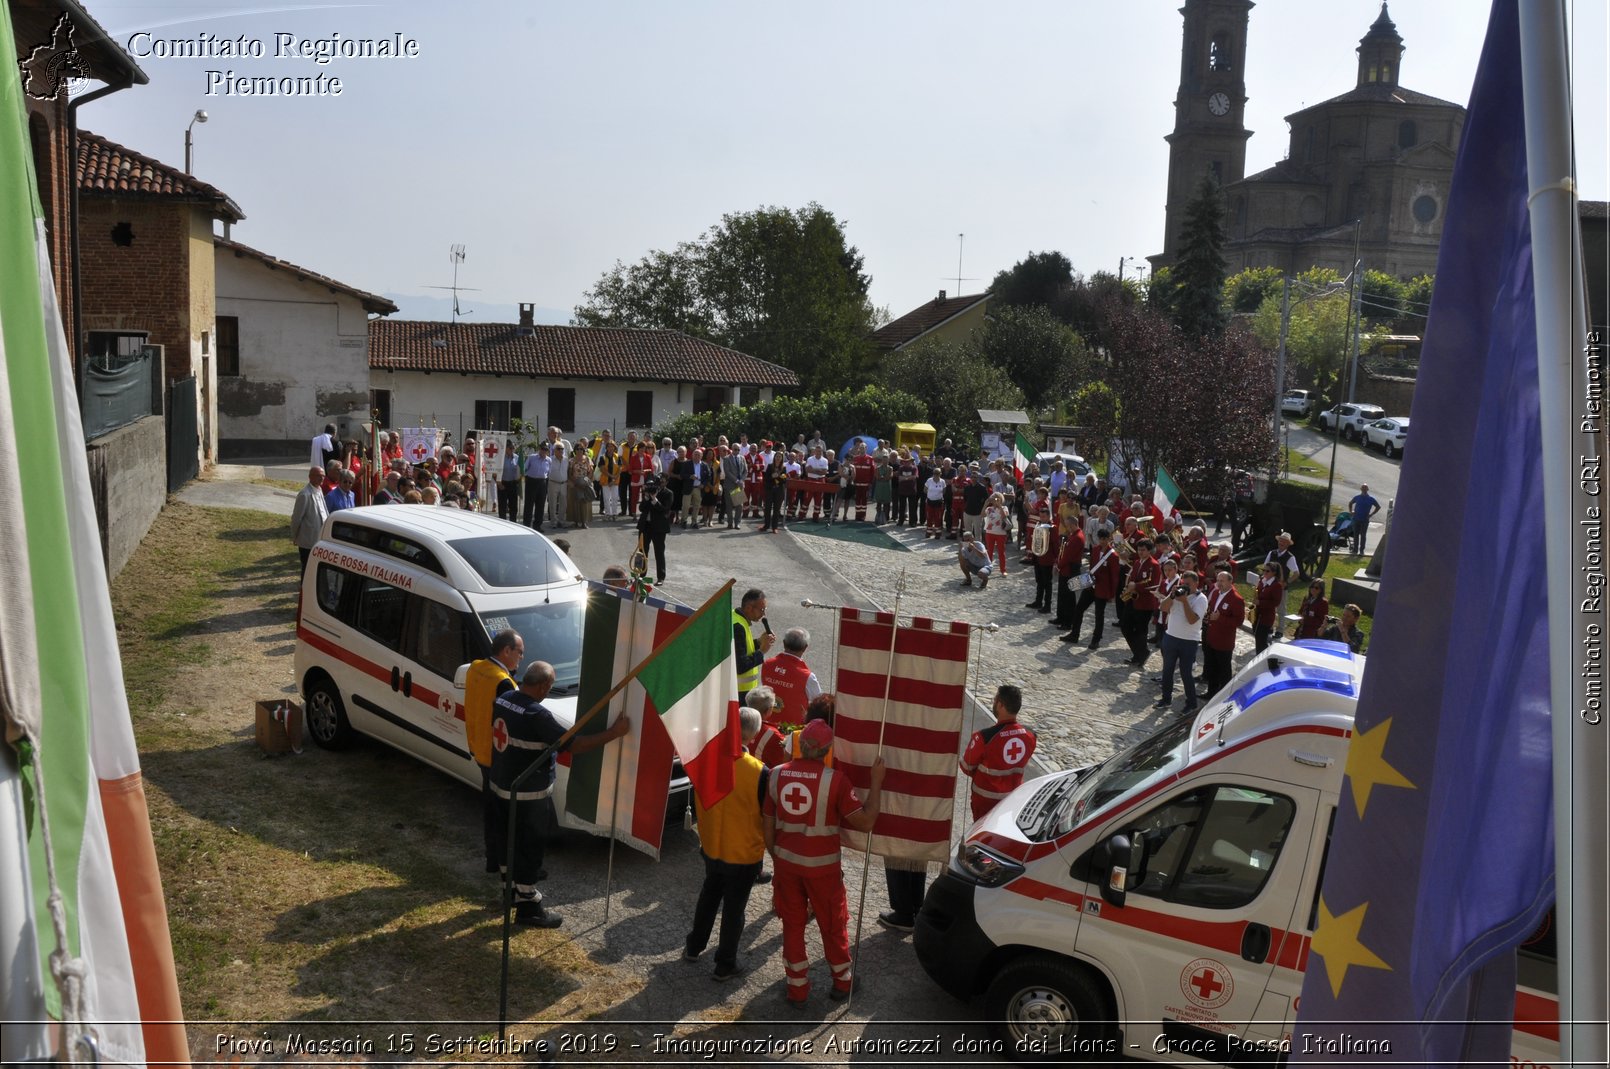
(1442, 859)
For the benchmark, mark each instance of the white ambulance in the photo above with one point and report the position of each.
(398, 599)
(1160, 905)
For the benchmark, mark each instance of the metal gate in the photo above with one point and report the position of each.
(183, 439)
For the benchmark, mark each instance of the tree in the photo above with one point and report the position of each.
(1317, 339)
(1416, 305)
(780, 284)
(1382, 299)
(953, 380)
(1198, 300)
(1084, 305)
(1199, 406)
(837, 414)
(1044, 358)
(1095, 408)
(1036, 280)
(1246, 291)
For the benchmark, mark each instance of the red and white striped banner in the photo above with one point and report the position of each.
(922, 737)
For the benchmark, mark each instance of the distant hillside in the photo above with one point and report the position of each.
(433, 307)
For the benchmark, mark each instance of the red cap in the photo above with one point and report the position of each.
(817, 735)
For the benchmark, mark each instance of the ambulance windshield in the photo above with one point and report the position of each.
(1135, 769)
(551, 632)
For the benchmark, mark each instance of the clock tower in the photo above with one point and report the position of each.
(1209, 134)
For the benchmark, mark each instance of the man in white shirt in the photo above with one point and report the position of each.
(1183, 631)
(558, 483)
(324, 449)
(816, 466)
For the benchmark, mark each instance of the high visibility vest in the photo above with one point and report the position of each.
(996, 758)
(746, 680)
(787, 675)
(480, 691)
(807, 801)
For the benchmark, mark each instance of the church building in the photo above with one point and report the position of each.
(1370, 166)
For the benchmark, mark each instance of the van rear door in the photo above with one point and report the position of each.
(1204, 924)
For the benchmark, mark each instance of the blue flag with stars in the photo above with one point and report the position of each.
(1442, 857)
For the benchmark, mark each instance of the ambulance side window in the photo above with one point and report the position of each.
(1213, 847)
(381, 609)
(439, 637)
(331, 585)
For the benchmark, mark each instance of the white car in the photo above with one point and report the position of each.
(1074, 465)
(1297, 403)
(1388, 435)
(1351, 417)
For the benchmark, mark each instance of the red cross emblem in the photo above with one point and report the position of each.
(1207, 983)
(500, 735)
(796, 798)
(445, 704)
(1014, 751)
(420, 451)
(491, 449)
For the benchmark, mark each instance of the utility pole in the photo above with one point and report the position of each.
(1280, 358)
(1358, 325)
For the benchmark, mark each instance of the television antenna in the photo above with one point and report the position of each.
(456, 253)
(961, 240)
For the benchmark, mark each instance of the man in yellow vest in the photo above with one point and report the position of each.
(732, 840)
(749, 653)
(485, 680)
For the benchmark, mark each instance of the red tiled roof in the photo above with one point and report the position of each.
(371, 302)
(565, 353)
(108, 168)
(914, 324)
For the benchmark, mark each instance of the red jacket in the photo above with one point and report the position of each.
(1145, 574)
(994, 760)
(788, 675)
(806, 799)
(1105, 571)
(1271, 596)
(1231, 608)
(1314, 611)
(1073, 549)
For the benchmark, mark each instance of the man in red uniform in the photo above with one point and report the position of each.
(996, 757)
(866, 470)
(806, 805)
(1105, 575)
(1144, 576)
(1226, 608)
(791, 679)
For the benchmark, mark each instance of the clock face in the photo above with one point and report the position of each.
(1219, 104)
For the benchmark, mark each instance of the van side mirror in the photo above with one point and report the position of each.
(460, 675)
(1119, 863)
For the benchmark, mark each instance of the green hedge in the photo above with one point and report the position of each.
(870, 410)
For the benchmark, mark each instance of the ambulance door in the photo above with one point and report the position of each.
(436, 644)
(374, 644)
(1202, 923)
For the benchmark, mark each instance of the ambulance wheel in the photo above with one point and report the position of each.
(326, 716)
(1048, 1009)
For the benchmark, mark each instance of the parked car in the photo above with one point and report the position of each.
(1389, 434)
(1072, 463)
(1351, 418)
(1299, 403)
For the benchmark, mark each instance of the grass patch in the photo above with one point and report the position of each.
(1340, 566)
(321, 887)
(1297, 464)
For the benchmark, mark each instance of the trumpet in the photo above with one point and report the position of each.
(1127, 594)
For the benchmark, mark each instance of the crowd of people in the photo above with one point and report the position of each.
(787, 801)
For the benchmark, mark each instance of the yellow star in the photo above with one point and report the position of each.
(1336, 940)
(1367, 768)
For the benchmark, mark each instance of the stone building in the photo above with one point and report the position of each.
(1370, 166)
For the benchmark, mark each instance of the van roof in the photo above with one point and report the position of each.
(444, 531)
(1302, 682)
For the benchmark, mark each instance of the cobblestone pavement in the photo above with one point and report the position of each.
(1083, 705)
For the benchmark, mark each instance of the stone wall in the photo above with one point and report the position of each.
(128, 476)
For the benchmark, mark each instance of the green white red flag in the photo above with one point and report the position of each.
(73, 818)
(1022, 454)
(622, 789)
(694, 684)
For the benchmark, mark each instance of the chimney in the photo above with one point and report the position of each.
(528, 325)
(941, 299)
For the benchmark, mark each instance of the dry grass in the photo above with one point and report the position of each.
(302, 888)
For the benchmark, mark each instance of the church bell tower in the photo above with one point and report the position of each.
(1210, 135)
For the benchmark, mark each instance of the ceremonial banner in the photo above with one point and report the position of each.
(420, 444)
(79, 887)
(1442, 858)
(923, 735)
(488, 462)
(625, 791)
(1022, 454)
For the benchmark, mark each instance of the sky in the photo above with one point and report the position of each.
(551, 140)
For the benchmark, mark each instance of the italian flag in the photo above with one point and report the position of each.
(1022, 454)
(621, 789)
(74, 820)
(694, 685)
(1164, 492)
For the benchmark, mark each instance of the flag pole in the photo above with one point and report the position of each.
(866, 853)
(614, 823)
(1568, 432)
(602, 703)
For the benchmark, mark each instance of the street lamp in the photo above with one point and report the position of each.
(1132, 260)
(200, 116)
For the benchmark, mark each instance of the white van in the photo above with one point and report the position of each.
(1215, 830)
(398, 599)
